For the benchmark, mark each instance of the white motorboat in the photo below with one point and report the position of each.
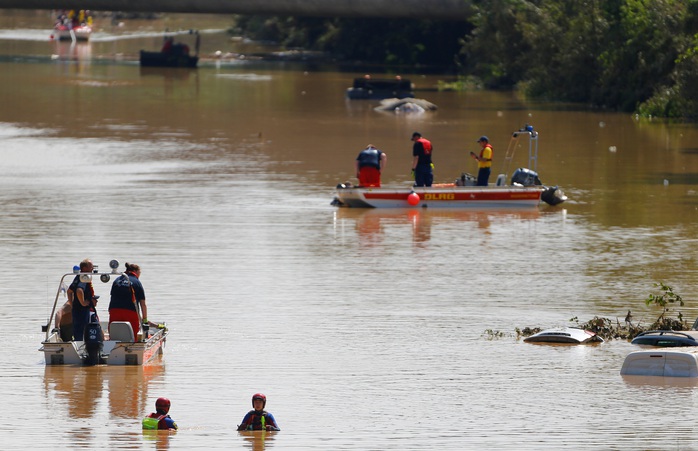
(668, 363)
(569, 335)
(115, 344)
(524, 191)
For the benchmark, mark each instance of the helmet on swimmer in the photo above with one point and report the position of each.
(261, 397)
(163, 404)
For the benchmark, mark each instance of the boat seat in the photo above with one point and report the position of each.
(501, 180)
(121, 331)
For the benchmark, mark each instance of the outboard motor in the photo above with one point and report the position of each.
(553, 196)
(525, 177)
(94, 343)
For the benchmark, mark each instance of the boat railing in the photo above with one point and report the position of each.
(532, 135)
(85, 276)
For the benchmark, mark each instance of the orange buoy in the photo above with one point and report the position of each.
(413, 199)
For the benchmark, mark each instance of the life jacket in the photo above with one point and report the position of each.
(88, 293)
(424, 160)
(257, 422)
(152, 421)
(155, 421)
(486, 164)
(122, 294)
(426, 145)
(370, 157)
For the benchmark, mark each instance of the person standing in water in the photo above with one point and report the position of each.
(258, 419)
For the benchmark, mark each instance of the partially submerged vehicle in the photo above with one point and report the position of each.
(664, 362)
(407, 105)
(667, 338)
(661, 362)
(115, 344)
(567, 335)
(524, 191)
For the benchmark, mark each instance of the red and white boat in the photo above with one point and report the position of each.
(73, 26)
(65, 33)
(524, 191)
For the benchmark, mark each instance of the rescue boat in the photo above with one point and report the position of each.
(115, 344)
(525, 190)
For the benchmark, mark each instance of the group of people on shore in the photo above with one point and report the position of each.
(371, 162)
(256, 419)
(127, 300)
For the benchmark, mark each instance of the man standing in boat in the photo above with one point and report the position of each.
(127, 296)
(369, 165)
(422, 166)
(484, 161)
(81, 295)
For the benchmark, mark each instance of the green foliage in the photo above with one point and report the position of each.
(665, 299)
(462, 83)
(493, 334)
(627, 55)
(609, 329)
(369, 40)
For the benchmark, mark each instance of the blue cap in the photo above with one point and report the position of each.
(483, 138)
(76, 269)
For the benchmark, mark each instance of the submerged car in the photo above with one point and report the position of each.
(667, 338)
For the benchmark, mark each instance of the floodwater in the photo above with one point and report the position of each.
(367, 330)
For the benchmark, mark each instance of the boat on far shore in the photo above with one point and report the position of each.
(172, 54)
(73, 26)
(367, 87)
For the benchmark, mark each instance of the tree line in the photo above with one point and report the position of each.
(627, 55)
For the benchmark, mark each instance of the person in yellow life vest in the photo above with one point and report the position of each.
(160, 418)
(484, 161)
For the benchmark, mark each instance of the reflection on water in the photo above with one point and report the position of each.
(371, 224)
(79, 52)
(258, 440)
(161, 438)
(83, 389)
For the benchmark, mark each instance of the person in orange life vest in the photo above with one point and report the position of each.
(484, 161)
(258, 419)
(422, 166)
(164, 421)
(127, 291)
(369, 165)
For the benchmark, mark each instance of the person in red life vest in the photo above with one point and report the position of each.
(258, 419)
(422, 166)
(484, 161)
(126, 294)
(369, 165)
(167, 45)
(160, 418)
